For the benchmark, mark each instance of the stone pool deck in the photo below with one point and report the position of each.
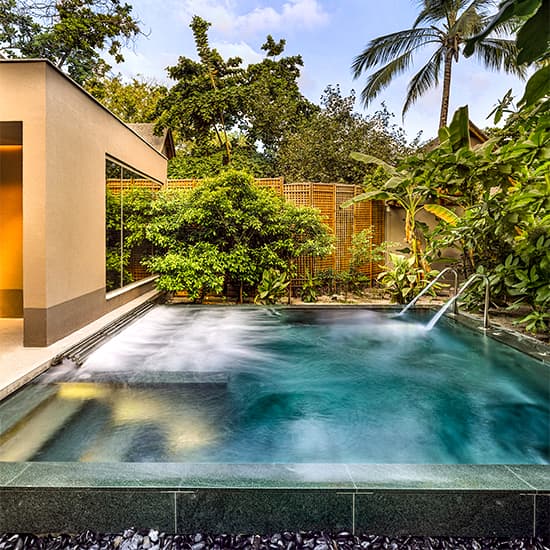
(390, 499)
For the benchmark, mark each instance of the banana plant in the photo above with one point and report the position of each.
(411, 188)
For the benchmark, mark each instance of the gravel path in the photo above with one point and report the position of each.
(133, 539)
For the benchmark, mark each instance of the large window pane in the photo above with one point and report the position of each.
(128, 197)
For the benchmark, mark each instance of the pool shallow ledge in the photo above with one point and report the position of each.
(417, 499)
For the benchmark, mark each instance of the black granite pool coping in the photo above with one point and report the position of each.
(391, 499)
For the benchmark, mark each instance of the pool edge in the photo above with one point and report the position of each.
(428, 500)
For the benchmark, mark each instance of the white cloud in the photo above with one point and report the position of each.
(238, 49)
(301, 14)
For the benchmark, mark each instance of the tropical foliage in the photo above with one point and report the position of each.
(226, 232)
(403, 279)
(531, 41)
(412, 186)
(445, 25)
(272, 287)
(73, 34)
(505, 233)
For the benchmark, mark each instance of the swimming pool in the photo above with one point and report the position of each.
(257, 385)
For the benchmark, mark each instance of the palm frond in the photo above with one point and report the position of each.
(470, 21)
(499, 54)
(385, 48)
(426, 78)
(374, 195)
(378, 80)
(370, 159)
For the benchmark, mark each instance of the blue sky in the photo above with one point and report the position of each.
(327, 33)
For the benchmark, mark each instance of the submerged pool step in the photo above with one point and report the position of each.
(80, 351)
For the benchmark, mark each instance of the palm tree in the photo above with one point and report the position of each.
(449, 23)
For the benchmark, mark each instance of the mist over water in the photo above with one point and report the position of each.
(228, 384)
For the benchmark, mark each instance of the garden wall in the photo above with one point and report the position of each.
(327, 197)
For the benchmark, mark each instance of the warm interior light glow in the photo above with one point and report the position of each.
(9, 148)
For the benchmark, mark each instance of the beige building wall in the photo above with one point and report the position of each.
(66, 138)
(395, 232)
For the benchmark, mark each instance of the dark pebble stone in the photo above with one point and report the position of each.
(198, 546)
(288, 536)
(291, 545)
(322, 546)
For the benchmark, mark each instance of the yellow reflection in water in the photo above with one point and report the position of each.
(188, 424)
(83, 390)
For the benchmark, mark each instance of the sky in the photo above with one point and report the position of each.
(328, 34)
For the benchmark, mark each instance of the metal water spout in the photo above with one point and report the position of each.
(454, 299)
(432, 283)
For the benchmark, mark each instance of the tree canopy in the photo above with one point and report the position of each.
(319, 149)
(214, 99)
(72, 34)
(228, 231)
(134, 101)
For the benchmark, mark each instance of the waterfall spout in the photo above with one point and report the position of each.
(454, 299)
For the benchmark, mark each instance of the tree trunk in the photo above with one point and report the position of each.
(446, 89)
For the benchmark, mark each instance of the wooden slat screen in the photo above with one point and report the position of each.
(326, 197)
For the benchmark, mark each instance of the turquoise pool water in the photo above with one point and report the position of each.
(258, 385)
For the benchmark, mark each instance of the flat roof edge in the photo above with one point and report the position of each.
(49, 64)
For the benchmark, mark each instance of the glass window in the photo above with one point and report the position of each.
(128, 196)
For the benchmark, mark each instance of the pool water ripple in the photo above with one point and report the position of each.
(255, 385)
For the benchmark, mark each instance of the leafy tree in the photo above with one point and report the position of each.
(228, 231)
(206, 97)
(447, 24)
(206, 162)
(273, 105)
(213, 97)
(319, 150)
(70, 33)
(135, 101)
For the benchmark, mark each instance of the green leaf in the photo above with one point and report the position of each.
(369, 159)
(368, 196)
(441, 212)
(537, 87)
(532, 38)
(459, 130)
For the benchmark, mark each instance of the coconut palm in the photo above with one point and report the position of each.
(448, 24)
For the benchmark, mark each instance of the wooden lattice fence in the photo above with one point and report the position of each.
(327, 198)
